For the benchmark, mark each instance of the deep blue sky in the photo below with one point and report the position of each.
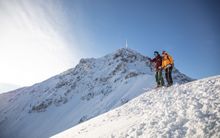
(188, 30)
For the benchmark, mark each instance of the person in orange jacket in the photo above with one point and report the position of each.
(167, 65)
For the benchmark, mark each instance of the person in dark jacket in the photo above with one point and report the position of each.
(157, 60)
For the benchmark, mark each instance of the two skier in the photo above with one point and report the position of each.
(164, 62)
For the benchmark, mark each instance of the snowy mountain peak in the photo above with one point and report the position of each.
(93, 87)
(126, 53)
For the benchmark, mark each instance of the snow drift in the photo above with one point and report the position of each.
(93, 87)
(189, 110)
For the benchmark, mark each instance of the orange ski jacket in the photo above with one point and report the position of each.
(167, 60)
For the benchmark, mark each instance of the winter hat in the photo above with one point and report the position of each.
(156, 52)
(164, 52)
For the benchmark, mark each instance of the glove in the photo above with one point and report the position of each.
(151, 61)
(168, 66)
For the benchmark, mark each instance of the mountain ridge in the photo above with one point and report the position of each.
(92, 87)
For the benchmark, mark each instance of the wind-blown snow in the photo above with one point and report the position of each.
(93, 87)
(189, 110)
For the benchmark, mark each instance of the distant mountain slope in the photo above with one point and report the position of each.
(190, 110)
(4, 87)
(93, 87)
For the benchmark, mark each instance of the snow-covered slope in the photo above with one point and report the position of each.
(93, 87)
(190, 110)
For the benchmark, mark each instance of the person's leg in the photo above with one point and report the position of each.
(166, 75)
(156, 77)
(170, 76)
(161, 78)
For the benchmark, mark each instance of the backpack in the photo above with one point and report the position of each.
(170, 58)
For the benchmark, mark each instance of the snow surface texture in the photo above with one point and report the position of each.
(190, 110)
(93, 87)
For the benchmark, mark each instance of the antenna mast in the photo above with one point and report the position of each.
(126, 44)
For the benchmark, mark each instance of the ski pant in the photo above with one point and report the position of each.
(168, 74)
(159, 78)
